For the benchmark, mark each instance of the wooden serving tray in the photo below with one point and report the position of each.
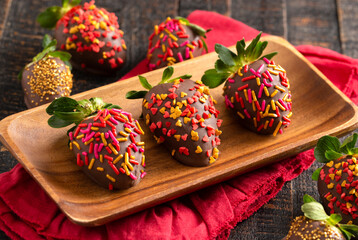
(319, 108)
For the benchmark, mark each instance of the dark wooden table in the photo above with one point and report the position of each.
(327, 23)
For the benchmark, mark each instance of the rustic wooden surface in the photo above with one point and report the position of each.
(327, 23)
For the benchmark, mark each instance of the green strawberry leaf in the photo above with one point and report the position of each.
(111, 106)
(348, 230)
(186, 76)
(70, 116)
(144, 82)
(63, 104)
(168, 72)
(314, 211)
(349, 144)
(269, 56)
(205, 46)
(334, 219)
(221, 67)
(75, 3)
(332, 155)
(56, 122)
(307, 199)
(135, 94)
(213, 79)
(64, 56)
(46, 41)
(197, 29)
(324, 144)
(227, 56)
(315, 174)
(49, 17)
(19, 75)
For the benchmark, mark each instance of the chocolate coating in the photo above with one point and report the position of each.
(182, 115)
(92, 36)
(254, 118)
(45, 80)
(164, 47)
(337, 186)
(99, 170)
(304, 228)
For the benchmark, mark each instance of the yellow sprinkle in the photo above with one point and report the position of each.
(211, 160)
(103, 25)
(163, 96)
(73, 30)
(100, 169)
(94, 128)
(177, 137)
(198, 149)
(353, 191)
(122, 116)
(215, 153)
(163, 48)
(183, 94)
(126, 169)
(255, 122)
(173, 152)
(351, 167)
(91, 164)
(186, 120)
(101, 158)
(71, 146)
(273, 105)
(110, 178)
(178, 123)
(258, 82)
(285, 97)
(190, 46)
(273, 72)
(123, 134)
(173, 37)
(253, 106)
(80, 136)
(330, 164)
(156, 29)
(267, 109)
(330, 186)
(103, 139)
(122, 139)
(113, 149)
(241, 115)
(127, 130)
(280, 88)
(272, 115)
(218, 132)
(117, 159)
(143, 160)
(139, 127)
(239, 72)
(329, 197)
(277, 128)
(266, 124)
(161, 35)
(266, 91)
(76, 144)
(107, 117)
(349, 205)
(344, 183)
(245, 93)
(191, 54)
(339, 173)
(89, 141)
(194, 135)
(280, 106)
(289, 115)
(162, 110)
(332, 176)
(140, 143)
(274, 93)
(253, 95)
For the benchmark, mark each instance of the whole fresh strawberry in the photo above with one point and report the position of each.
(181, 114)
(338, 178)
(90, 34)
(256, 89)
(47, 77)
(316, 224)
(105, 140)
(175, 40)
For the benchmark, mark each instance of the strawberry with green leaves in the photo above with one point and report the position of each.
(181, 115)
(338, 178)
(48, 76)
(173, 41)
(90, 34)
(105, 140)
(256, 89)
(316, 224)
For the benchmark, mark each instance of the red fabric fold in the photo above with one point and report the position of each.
(26, 212)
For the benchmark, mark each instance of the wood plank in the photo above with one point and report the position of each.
(266, 16)
(187, 6)
(348, 25)
(314, 23)
(4, 11)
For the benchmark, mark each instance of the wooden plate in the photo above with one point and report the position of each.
(319, 108)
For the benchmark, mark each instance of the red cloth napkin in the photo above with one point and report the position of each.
(26, 212)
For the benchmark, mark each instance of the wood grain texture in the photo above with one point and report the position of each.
(82, 200)
(348, 23)
(219, 6)
(314, 23)
(266, 16)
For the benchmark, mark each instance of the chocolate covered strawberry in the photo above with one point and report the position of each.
(47, 77)
(338, 178)
(181, 115)
(90, 34)
(105, 140)
(173, 41)
(256, 89)
(316, 224)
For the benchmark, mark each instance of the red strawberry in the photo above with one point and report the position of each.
(256, 89)
(47, 77)
(106, 140)
(181, 114)
(175, 40)
(90, 34)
